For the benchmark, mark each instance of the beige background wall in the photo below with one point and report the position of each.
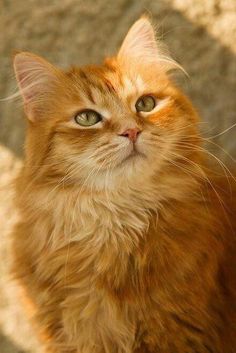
(201, 35)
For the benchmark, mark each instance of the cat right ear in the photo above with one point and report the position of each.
(36, 79)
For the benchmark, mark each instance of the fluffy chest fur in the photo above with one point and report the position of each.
(109, 269)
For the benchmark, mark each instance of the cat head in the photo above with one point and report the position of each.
(105, 125)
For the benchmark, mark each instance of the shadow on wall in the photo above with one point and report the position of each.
(78, 33)
(6, 346)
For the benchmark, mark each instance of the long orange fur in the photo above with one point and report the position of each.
(122, 254)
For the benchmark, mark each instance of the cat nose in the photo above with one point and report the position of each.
(131, 134)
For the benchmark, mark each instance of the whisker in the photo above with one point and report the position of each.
(201, 149)
(222, 203)
(223, 132)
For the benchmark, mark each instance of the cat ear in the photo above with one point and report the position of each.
(140, 40)
(36, 79)
(140, 46)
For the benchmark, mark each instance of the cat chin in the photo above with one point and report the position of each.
(125, 174)
(133, 158)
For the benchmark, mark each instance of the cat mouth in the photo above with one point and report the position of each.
(133, 155)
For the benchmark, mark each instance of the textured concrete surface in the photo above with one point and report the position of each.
(201, 35)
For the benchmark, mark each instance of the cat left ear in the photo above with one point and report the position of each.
(36, 79)
(141, 47)
(140, 41)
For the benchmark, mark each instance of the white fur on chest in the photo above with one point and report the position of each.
(97, 219)
(90, 317)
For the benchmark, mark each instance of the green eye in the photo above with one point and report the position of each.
(88, 118)
(145, 104)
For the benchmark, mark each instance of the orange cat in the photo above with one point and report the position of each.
(126, 241)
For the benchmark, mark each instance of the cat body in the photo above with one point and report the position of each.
(126, 239)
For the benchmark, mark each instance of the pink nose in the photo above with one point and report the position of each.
(131, 134)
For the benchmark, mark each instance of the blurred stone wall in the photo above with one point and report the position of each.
(201, 36)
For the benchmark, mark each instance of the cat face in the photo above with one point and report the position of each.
(109, 124)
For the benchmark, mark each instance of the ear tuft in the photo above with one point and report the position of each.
(36, 78)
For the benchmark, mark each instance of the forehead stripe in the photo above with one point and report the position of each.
(109, 85)
(133, 86)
